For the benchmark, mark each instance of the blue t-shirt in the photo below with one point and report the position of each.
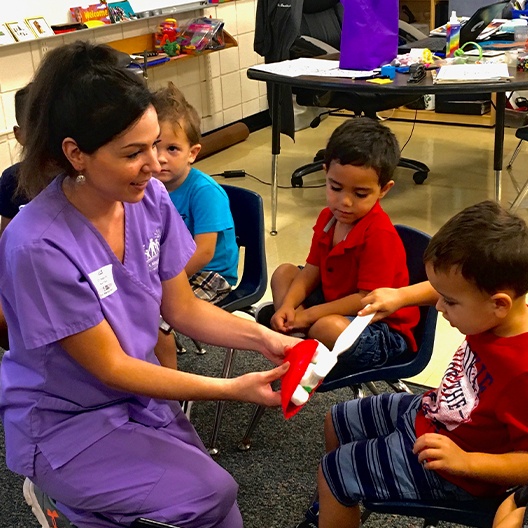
(204, 207)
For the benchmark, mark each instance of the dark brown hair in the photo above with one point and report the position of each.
(487, 244)
(171, 105)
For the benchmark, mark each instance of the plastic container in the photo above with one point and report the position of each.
(452, 35)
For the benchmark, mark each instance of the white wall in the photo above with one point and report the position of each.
(216, 84)
(58, 11)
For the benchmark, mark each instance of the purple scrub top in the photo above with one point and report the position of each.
(58, 277)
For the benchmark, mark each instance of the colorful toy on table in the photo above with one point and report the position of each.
(310, 362)
(167, 33)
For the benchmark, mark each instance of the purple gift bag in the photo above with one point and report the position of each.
(369, 37)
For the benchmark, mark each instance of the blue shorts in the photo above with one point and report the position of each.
(375, 459)
(376, 345)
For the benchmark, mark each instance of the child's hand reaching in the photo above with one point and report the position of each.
(439, 453)
(383, 301)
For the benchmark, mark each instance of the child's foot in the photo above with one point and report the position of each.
(311, 517)
(264, 313)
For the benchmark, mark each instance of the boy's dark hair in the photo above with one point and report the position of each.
(21, 98)
(80, 91)
(487, 244)
(171, 105)
(364, 142)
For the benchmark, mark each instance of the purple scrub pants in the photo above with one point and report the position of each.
(163, 474)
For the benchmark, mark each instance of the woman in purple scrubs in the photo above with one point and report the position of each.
(85, 271)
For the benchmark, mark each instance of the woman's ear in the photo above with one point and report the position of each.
(73, 153)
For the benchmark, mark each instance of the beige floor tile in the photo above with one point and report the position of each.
(461, 163)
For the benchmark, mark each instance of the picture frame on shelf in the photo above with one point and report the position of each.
(20, 31)
(39, 27)
(5, 36)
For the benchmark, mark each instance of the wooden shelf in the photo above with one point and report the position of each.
(430, 116)
(147, 42)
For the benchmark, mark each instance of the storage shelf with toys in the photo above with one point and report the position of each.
(140, 44)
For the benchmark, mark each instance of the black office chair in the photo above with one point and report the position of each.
(404, 366)
(307, 29)
(248, 215)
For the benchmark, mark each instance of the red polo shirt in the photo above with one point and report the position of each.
(371, 256)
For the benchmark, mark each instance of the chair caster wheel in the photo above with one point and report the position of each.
(419, 177)
(296, 183)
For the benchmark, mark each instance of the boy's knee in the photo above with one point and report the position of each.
(331, 440)
(327, 328)
(284, 274)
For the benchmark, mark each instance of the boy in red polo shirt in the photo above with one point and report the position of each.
(355, 249)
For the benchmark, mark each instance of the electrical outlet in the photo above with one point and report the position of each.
(44, 48)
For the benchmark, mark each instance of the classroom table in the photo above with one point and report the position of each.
(519, 81)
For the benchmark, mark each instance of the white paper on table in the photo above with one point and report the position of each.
(454, 73)
(316, 67)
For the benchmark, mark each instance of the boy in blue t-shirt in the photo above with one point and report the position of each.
(201, 202)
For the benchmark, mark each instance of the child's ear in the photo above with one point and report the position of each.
(195, 150)
(386, 188)
(502, 303)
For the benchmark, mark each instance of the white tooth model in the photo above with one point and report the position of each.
(324, 360)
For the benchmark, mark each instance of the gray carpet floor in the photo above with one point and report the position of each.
(276, 476)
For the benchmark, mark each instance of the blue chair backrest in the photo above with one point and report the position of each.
(415, 243)
(248, 215)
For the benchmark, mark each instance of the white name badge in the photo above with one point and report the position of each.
(103, 280)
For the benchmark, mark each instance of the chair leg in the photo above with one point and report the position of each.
(399, 386)
(372, 388)
(245, 443)
(180, 349)
(200, 350)
(358, 391)
(515, 152)
(520, 197)
(226, 373)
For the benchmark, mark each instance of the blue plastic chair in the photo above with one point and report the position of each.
(404, 366)
(248, 215)
(478, 513)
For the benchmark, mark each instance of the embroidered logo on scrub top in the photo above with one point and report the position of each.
(103, 280)
(152, 250)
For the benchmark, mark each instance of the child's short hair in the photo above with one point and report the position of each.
(21, 97)
(171, 105)
(364, 142)
(488, 245)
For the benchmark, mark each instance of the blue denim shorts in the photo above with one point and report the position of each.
(376, 345)
(375, 459)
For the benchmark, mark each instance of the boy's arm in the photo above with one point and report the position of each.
(385, 301)
(205, 250)
(304, 283)
(347, 306)
(439, 453)
(508, 514)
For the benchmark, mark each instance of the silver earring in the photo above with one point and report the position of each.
(80, 179)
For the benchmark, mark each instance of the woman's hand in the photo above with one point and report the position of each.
(255, 387)
(276, 344)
